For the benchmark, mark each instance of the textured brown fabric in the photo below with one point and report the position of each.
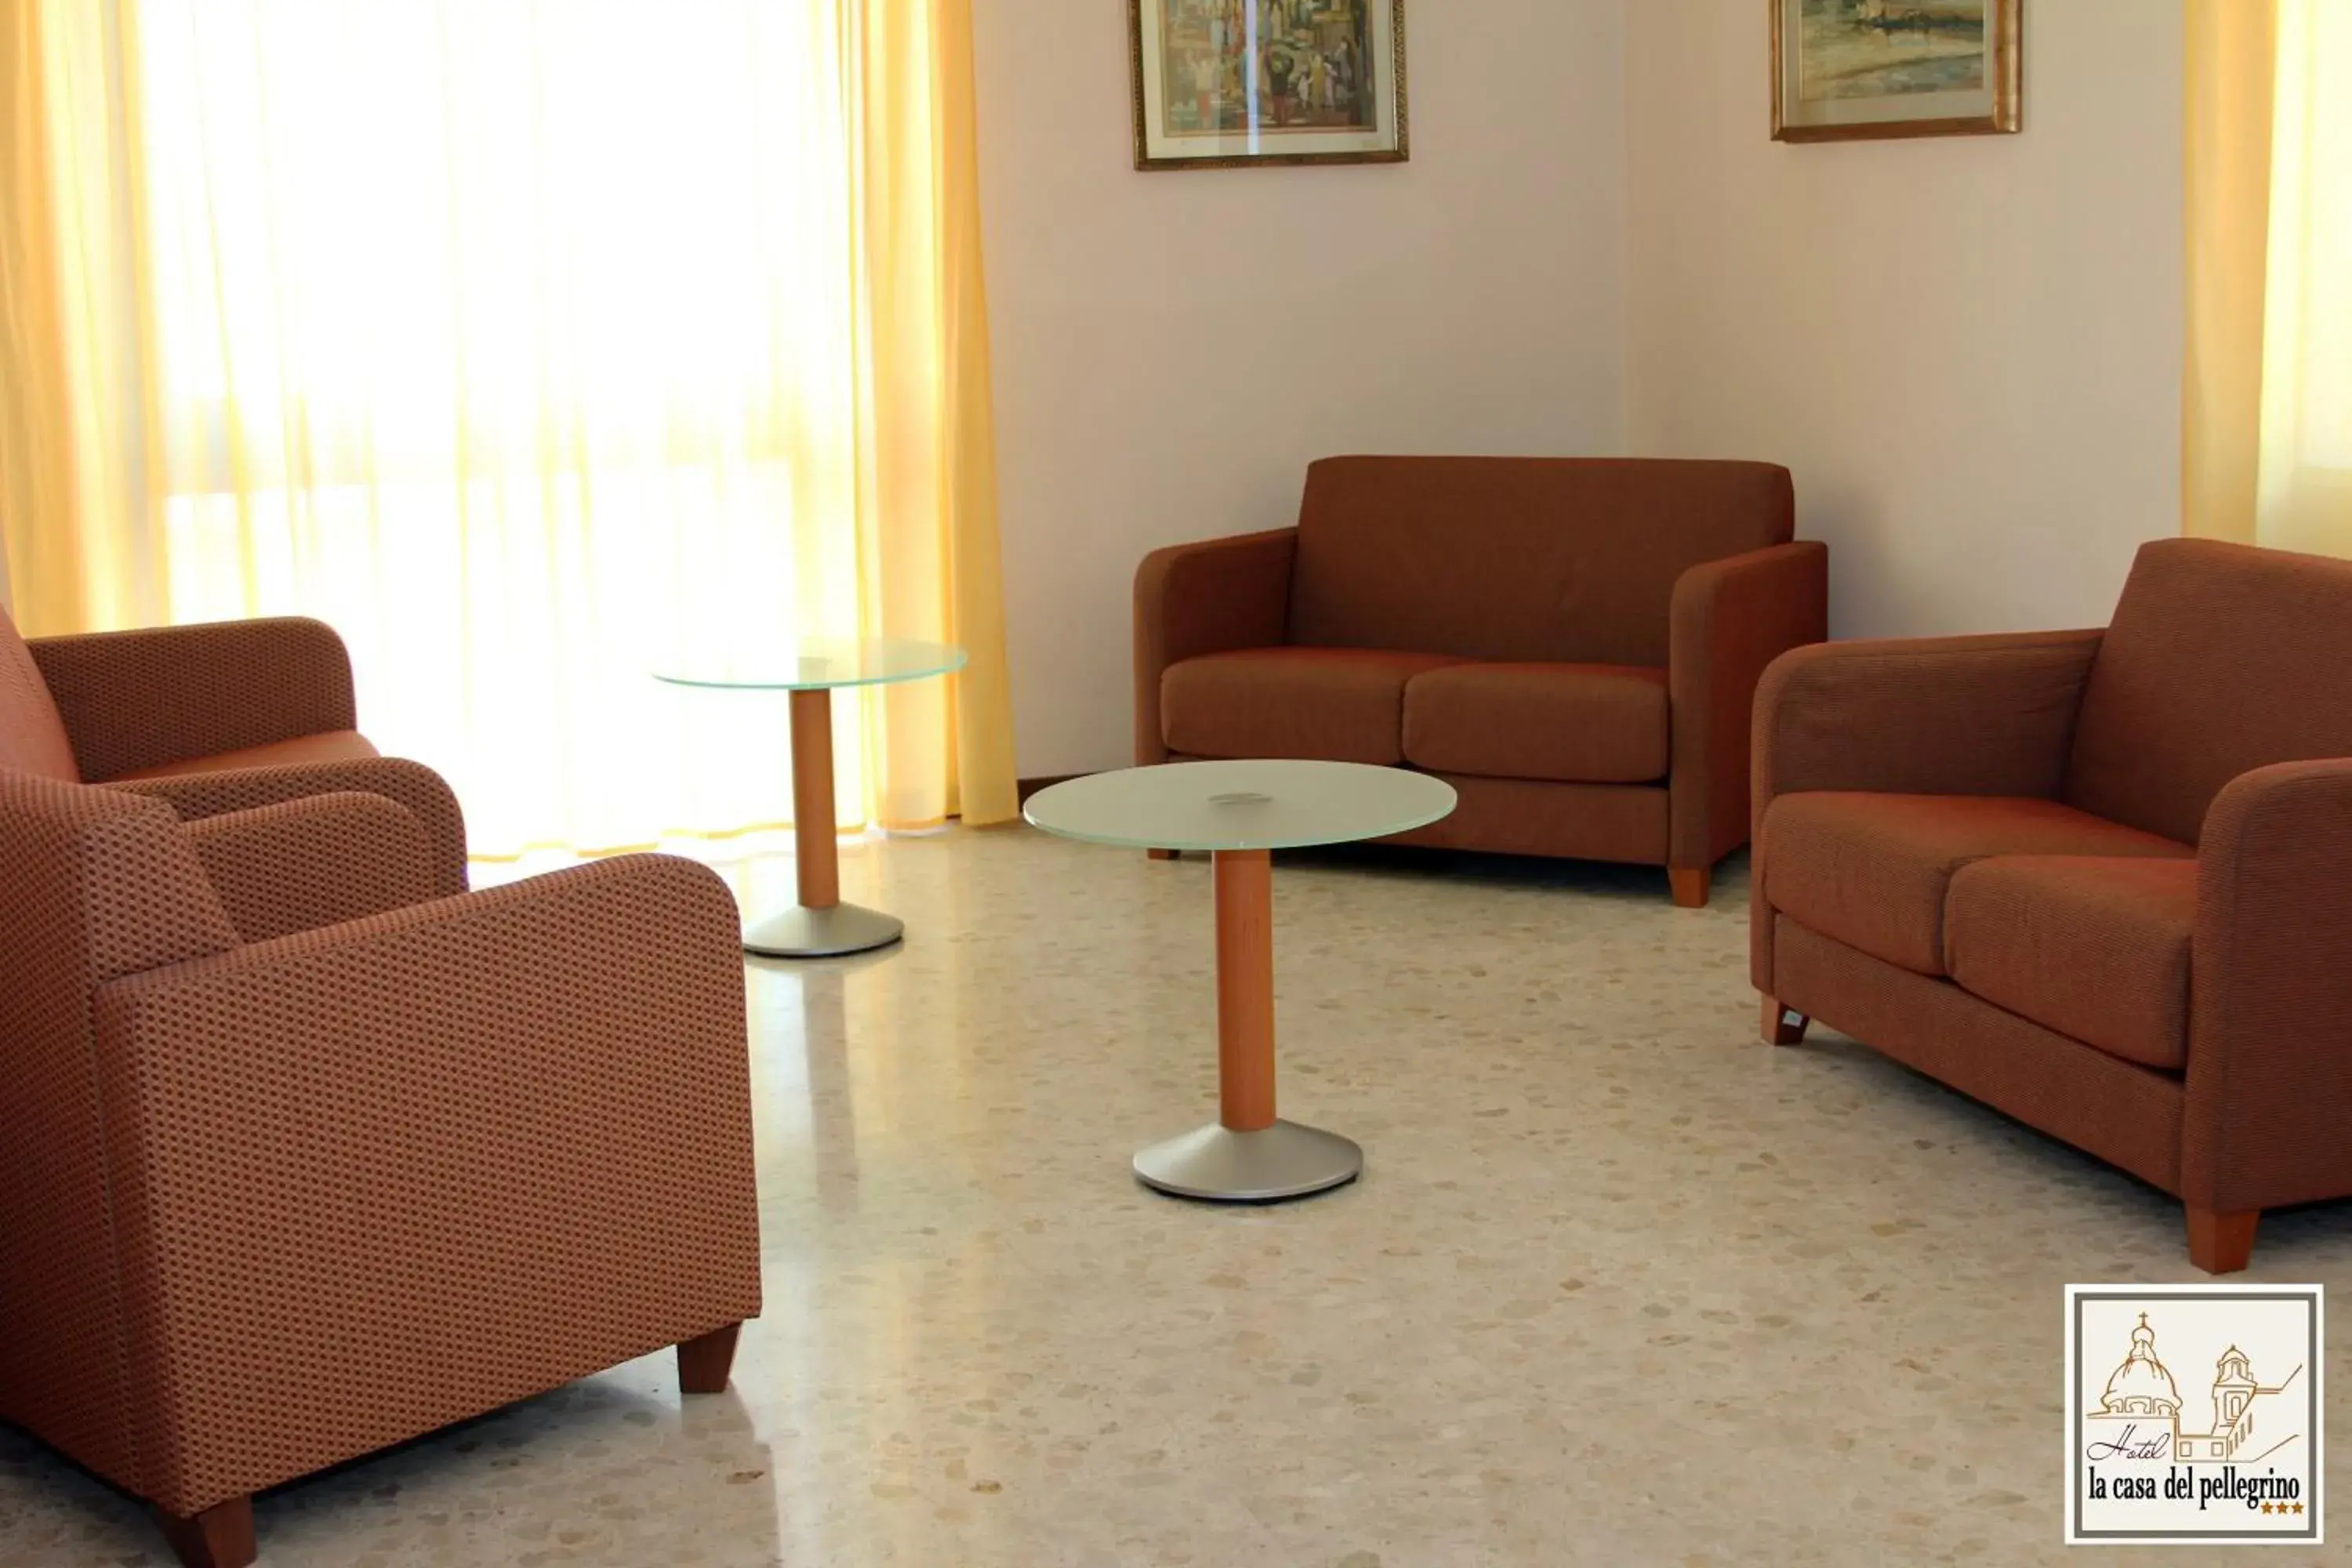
(2222, 658)
(303, 864)
(1570, 821)
(1571, 560)
(2127, 1115)
(33, 737)
(410, 784)
(1984, 715)
(269, 1206)
(1873, 870)
(1731, 618)
(2270, 1053)
(2223, 663)
(1214, 597)
(1975, 715)
(132, 699)
(94, 885)
(379, 1177)
(2095, 948)
(1576, 724)
(329, 746)
(1340, 705)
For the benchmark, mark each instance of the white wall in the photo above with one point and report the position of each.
(1967, 349)
(1171, 349)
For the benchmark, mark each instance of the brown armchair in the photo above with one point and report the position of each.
(2102, 880)
(1572, 643)
(308, 1156)
(214, 718)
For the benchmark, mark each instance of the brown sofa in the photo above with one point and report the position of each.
(2102, 880)
(1572, 643)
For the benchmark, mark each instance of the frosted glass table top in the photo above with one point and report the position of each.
(1241, 805)
(818, 664)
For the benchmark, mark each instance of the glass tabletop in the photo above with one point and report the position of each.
(816, 664)
(1241, 805)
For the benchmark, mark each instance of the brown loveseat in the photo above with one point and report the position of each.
(1572, 643)
(2102, 880)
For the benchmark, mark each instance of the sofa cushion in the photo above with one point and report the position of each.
(2222, 658)
(1335, 705)
(1568, 559)
(1575, 723)
(332, 746)
(2095, 948)
(32, 735)
(1871, 871)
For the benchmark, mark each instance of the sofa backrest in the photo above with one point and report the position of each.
(1523, 559)
(2222, 658)
(32, 734)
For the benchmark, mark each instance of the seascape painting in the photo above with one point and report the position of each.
(1877, 48)
(1849, 68)
(1223, 82)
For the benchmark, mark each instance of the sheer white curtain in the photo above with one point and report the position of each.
(536, 344)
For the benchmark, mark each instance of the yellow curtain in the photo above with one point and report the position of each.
(534, 347)
(77, 543)
(2267, 405)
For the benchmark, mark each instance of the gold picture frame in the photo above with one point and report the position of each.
(1214, 83)
(1846, 70)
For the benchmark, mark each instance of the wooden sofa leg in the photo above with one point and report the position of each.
(1162, 854)
(1784, 1025)
(703, 1365)
(2222, 1243)
(1691, 885)
(220, 1537)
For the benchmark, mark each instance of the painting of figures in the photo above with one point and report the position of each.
(1845, 69)
(1220, 82)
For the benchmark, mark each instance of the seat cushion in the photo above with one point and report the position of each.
(2094, 947)
(1573, 723)
(1873, 870)
(1326, 704)
(32, 735)
(331, 746)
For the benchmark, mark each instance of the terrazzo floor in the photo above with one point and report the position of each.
(1621, 1286)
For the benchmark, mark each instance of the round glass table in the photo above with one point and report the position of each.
(1239, 812)
(811, 669)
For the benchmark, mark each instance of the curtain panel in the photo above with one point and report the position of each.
(2267, 403)
(534, 347)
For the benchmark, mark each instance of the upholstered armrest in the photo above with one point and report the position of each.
(387, 1174)
(1213, 597)
(137, 699)
(412, 786)
(1974, 715)
(319, 861)
(1731, 618)
(2270, 1034)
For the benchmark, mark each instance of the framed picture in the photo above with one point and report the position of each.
(1228, 84)
(1842, 69)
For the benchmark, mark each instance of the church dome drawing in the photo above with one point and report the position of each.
(2142, 1405)
(2142, 1386)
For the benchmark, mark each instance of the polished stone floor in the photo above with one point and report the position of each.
(1620, 1286)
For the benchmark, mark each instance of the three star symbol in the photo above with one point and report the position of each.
(2282, 1508)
